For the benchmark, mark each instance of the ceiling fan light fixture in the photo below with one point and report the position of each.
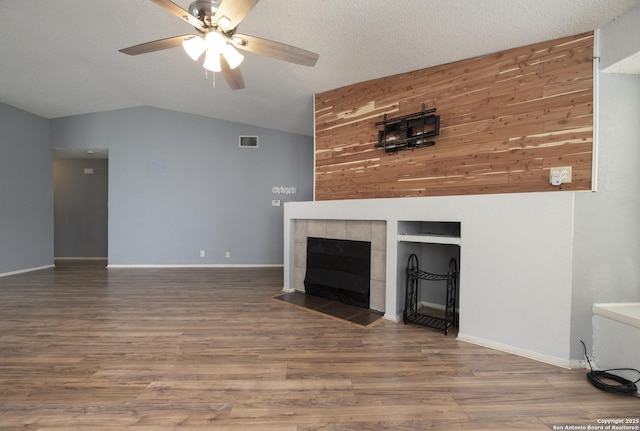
(216, 22)
(215, 42)
(233, 57)
(194, 47)
(212, 61)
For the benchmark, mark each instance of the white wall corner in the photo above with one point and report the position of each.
(620, 43)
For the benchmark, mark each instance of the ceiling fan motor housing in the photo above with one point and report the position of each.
(204, 10)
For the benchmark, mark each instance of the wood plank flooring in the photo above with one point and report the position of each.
(86, 348)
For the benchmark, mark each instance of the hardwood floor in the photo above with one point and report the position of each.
(85, 348)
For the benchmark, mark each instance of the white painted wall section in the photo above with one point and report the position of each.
(515, 263)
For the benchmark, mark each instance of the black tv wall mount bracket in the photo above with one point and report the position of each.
(409, 131)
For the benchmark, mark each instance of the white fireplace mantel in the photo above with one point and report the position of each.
(515, 262)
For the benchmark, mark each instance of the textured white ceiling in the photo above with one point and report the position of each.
(60, 58)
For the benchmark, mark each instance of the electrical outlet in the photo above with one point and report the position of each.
(563, 173)
(201, 253)
(227, 254)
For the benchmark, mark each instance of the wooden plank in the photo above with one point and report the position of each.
(505, 119)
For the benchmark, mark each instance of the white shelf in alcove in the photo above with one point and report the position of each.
(429, 238)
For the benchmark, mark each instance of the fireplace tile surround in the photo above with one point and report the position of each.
(374, 231)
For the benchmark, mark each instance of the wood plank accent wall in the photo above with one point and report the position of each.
(506, 118)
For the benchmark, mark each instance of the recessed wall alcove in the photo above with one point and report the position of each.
(357, 230)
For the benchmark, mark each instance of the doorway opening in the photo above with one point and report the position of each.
(80, 201)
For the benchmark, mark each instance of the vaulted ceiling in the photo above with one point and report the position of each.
(60, 58)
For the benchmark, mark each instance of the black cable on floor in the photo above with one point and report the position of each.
(625, 387)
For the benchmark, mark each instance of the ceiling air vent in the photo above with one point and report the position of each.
(248, 142)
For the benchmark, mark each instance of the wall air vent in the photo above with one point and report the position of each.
(248, 142)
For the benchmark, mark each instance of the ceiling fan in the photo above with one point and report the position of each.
(216, 22)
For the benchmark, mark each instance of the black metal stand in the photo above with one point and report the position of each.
(414, 275)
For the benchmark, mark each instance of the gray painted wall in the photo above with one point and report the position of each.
(606, 264)
(179, 183)
(26, 192)
(80, 208)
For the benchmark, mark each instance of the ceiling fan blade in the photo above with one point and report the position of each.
(235, 11)
(176, 10)
(276, 50)
(156, 45)
(232, 76)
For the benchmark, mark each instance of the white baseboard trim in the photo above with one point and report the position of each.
(431, 305)
(111, 266)
(563, 363)
(578, 364)
(80, 258)
(21, 271)
(394, 318)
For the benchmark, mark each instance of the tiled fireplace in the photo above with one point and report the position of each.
(358, 230)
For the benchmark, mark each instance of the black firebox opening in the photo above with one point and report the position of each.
(339, 270)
